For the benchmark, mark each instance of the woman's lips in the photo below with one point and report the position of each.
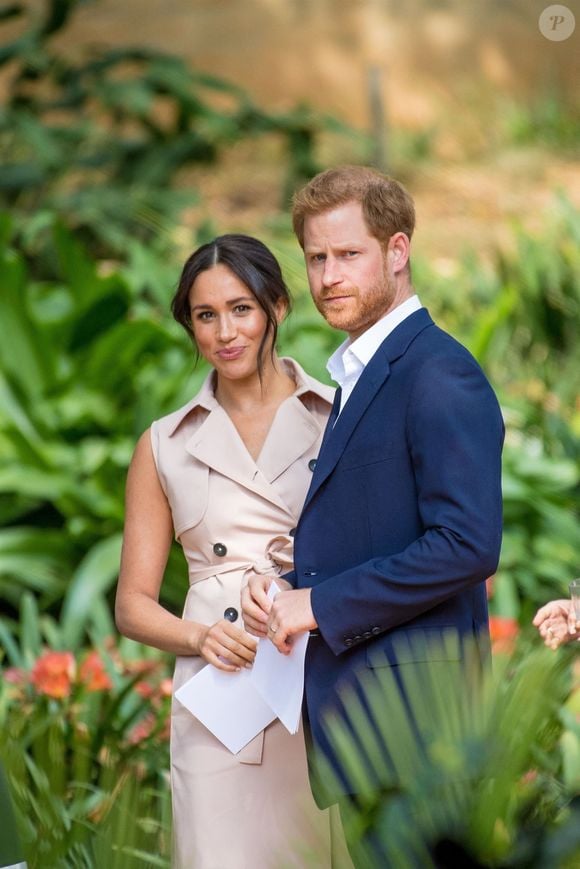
(230, 353)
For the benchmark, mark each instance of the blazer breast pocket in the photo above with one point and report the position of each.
(360, 456)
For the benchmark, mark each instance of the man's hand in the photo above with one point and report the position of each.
(256, 604)
(291, 613)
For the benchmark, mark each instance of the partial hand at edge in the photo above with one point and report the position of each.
(556, 622)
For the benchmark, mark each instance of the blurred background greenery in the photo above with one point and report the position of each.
(129, 133)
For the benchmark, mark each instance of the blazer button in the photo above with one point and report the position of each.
(219, 549)
(292, 532)
(312, 464)
(348, 641)
(376, 631)
(310, 572)
(231, 614)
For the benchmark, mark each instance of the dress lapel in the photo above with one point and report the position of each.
(293, 431)
(218, 445)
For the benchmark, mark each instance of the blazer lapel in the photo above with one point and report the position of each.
(336, 438)
(374, 375)
(331, 418)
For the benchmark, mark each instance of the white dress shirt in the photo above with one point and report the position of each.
(348, 362)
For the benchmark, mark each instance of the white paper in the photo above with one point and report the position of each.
(280, 678)
(235, 707)
(227, 704)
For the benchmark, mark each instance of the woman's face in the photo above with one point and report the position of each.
(228, 323)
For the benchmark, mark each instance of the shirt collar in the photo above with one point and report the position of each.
(206, 399)
(352, 356)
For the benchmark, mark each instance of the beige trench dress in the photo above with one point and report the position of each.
(233, 517)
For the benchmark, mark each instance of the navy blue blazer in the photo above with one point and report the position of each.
(402, 522)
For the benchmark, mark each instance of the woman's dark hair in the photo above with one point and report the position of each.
(255, 266)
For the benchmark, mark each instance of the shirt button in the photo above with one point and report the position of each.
(231, 614)
(312, 464)
(219, 549)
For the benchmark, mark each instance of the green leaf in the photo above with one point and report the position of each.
(94, 577)
(29, 628)
(23, 352)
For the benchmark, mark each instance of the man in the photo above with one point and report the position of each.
(402, 522)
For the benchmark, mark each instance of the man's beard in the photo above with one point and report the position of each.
(359, 312)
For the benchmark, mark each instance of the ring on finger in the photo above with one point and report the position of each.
(273, 629)
(550, 633)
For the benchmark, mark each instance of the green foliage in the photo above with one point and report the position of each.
(546, 121)
(85, 368)
(460, 769)
(83, 737)
(103, 140)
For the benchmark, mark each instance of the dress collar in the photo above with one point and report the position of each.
(206, 399)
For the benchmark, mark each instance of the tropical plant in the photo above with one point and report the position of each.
(474, 771)
(84, 741)
(103, 139)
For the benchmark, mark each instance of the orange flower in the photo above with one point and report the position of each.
(166, 687)
(92, 673)
(53, 674)
(144, 689)
(142, 730)
(503, 631)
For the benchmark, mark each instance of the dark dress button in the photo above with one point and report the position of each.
(292, 532)
(219, 549)
(348, 641)
(367, 635)
(375, 632)
(357, 638)
(312, 464)
(231, 614)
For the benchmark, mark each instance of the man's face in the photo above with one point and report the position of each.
(347, 269)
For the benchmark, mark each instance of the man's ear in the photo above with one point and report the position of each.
(398, 251)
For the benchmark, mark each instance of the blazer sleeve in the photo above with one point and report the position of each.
(454, 433)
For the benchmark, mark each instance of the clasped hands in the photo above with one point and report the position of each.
(289, 613)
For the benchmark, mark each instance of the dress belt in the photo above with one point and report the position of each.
(262, 567)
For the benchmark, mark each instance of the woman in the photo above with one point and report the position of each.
(227, 474)
(557, 623)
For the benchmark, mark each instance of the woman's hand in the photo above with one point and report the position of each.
(556, 621)
(256, 604)
(226, 646)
